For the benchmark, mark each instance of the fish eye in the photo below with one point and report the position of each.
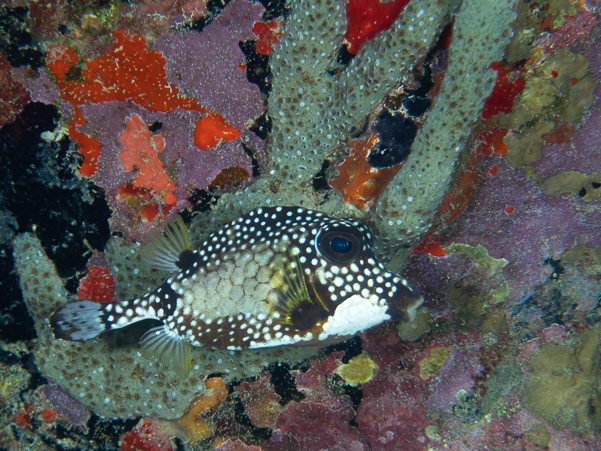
(339, 246)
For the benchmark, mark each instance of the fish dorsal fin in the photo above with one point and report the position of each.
(168, 250)
(168, 348)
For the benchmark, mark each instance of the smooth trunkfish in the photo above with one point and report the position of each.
(278, 276)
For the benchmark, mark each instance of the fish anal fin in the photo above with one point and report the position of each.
(170, 250)
(168, 348)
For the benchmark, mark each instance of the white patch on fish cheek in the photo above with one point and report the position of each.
(354, 315)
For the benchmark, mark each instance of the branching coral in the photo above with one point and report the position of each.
(314, 104)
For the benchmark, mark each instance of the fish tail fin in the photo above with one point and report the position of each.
(168, 348)
(79, 321)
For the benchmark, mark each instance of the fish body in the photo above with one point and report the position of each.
(276, 276)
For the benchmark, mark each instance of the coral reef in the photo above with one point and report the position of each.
(478, 170)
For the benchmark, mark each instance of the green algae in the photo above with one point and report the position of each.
(494, 323)
(433, 362)
(420, 326)
(481, 258)
(358, 370)
(539, 435)
(505, 377)
(574, 182)
(468, 308)
(564, 386)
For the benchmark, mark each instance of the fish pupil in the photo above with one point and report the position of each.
(341, 245)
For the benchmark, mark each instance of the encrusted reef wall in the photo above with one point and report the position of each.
(504, 352)
(313, 104)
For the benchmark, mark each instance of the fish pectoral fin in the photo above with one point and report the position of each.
(296, 304)
(170, 250)
(78, 321)
(168, 348)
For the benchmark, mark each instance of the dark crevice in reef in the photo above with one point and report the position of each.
(548, 304)
(283, 383)
(256, 169)
(214, 8)
(44, 194)
(242, 418)
(396, 133)
(155, 126)
(416, 101)
(397, 123)
(341, 61)
(15, 322)
(355, 394)
(557, 266)
(40, 192)
(107, 432)
(344, 57)
(36, 380)
(257, 66)
(261, 126)
(202, 200)
(320, 181)
(16, 43)
(351, 348)
(274, 8)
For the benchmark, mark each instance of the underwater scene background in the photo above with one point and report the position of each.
(466, 134)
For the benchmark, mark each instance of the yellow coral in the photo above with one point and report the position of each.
(563, 389)
(358, 370)
(433, 362)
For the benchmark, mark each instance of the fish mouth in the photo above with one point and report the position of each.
(404, 304)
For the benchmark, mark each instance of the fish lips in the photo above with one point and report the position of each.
(403, 305)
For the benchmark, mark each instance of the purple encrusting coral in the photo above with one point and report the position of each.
(68, 408)
(581, 152)
(215, 74)
(210, 66)
(193, 168)
(540, 228)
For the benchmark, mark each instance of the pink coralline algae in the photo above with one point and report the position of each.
(314, 426)
(237, 445)
(212, 61)
(555, 334)
(146, 436)
(262, 403)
